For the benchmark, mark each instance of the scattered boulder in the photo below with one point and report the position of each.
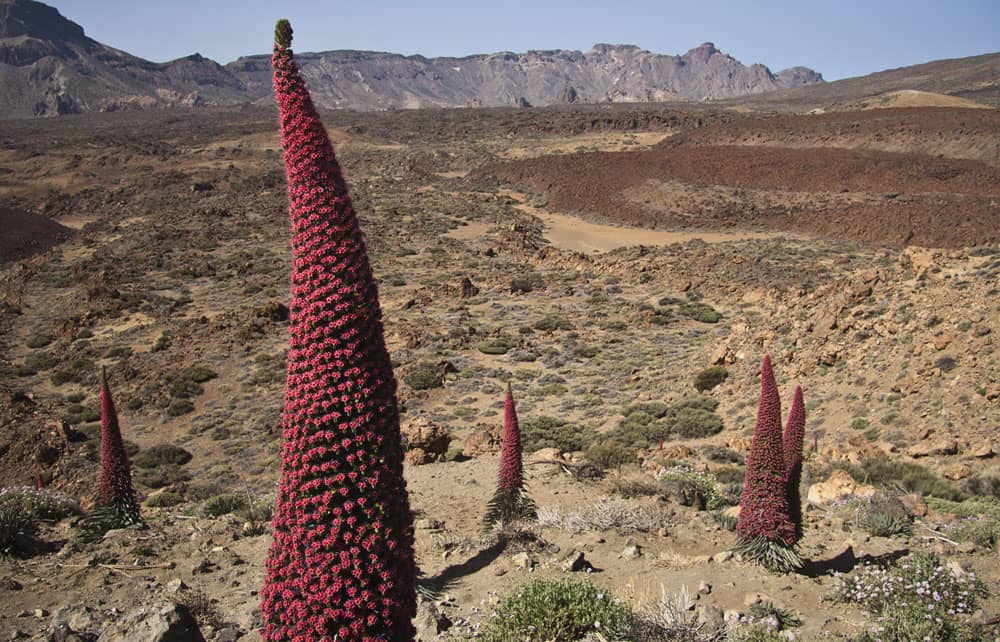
(839, 485)
(484, 440)
(73, 623)
(430, 621)
(931, 448)
(162, 623)
(426, 441)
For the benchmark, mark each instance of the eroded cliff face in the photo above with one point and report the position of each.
(48, 66)
(606, 73)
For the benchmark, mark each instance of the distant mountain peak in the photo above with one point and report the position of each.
(36, 20)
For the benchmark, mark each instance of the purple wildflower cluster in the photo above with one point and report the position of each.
(920, 583)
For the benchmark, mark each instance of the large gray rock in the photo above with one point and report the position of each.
(160, 623)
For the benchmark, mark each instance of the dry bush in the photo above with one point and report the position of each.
(603, 515)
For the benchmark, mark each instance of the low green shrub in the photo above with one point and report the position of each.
(550, 432)
(710, 378)
(609, 454)
(14, 522)
(553, 322)
(161, 476)
(423, 377)
(560, 610)
(912, 477)
(700, 312)
(161, 454)
(496, 345)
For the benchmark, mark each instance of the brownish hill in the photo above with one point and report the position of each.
(794, 174)
(948, 132)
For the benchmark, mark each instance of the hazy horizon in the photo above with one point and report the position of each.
(849, 39)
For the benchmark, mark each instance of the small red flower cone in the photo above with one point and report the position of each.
(116, 489)
(510, 502)
(765, 529)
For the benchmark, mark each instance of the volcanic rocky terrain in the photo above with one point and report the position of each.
(616, 264)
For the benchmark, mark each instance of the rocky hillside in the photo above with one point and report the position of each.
(48, 66)
(606, 73)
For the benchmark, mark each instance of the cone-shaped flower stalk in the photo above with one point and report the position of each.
(116, 491)
(341, 566)
(792, 445)
(510, 501)
(765, 529)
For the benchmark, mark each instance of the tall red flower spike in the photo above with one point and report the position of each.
(116, 489)
(341, 566)
(792, 445)
(764, 502)
(510, 502)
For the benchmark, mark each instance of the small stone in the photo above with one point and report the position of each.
(722, 557)
(983, 451)
(704, 588)
(711, 617)
(176, 585)
(575, 562)
(522, 561)
(632, 552)
(10, 584)
(228, 634)
(40, 613)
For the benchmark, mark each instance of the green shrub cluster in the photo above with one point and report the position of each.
(710, 378)
(910, 476)
(423, 377)
(496, 345)
(550, 432)
(559, 610)
(645, 425)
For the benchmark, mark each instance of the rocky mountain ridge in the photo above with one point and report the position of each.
(50, 67)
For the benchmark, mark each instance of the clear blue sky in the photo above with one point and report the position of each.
(839, 38)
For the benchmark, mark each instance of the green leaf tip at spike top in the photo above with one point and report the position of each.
(283, 33)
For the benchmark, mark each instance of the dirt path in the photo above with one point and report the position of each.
(574, 234)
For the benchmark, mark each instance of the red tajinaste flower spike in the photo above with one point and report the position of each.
(116, 489)
(795, 432)
(340, 409)
(764, 502)
(510, 502)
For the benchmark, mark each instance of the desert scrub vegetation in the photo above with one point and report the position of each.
(710, 378)
(39, 503)
(423, 376)
(647, 425)
(557, 610)
(910, 476)
(885, 516)
(496, 345)
(916, 599)
(15, 524)
(605, 514)
(551, 432)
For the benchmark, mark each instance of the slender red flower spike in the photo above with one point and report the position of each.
(510, 502)
(341, 565)
(116, 489)
(764, 519)
(792, 445)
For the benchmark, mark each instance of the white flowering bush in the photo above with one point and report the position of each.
(39, 504)
(917, 599)
(557, 610)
